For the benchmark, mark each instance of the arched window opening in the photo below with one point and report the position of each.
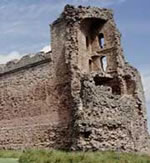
(104, 63)
(87, 42)
(101, 40)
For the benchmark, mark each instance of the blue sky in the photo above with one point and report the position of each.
(25, 28)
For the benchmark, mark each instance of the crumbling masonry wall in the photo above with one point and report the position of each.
(34, 108)
(107, 97)
(81, 96)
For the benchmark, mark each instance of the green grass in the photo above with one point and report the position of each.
(9, 156)
(8, 160)
(52, 156)
(43, 156)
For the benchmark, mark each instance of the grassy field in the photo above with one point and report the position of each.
(81, 157)
(51, 156)
(8, 160)
(9, 156)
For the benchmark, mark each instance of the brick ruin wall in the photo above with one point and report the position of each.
(108, 104)
(33, 106)
(66, 99)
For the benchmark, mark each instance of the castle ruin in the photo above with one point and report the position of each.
(82, 95)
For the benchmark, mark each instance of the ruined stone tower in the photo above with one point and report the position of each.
(81, 96)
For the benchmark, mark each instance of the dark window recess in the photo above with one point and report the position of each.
(101, 40)
(114, 84)
(101, 80)
(103, 61)
(90, 65)
(87, 42)
(87, 134)
(87, 131)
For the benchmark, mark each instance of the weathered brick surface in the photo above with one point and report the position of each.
(34, 111)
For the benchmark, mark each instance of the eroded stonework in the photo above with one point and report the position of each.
(81, 96)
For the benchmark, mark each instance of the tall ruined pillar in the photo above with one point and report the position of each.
(107, 98)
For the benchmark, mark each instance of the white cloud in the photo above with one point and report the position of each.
(46, 49)
(11, 56)
(16, 55)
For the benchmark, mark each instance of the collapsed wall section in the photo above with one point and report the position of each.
(34, 108)
(110, 121)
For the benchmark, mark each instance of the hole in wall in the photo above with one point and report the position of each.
(101, 40)
(87, 131)
(114, 84)
(90, 65)
(101, 80)
(87, 42)
(87, 134)
(116, 90)
(103, 61)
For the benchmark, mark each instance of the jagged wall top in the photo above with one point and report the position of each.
(25, 62)
(73, 14)
(70, 14)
